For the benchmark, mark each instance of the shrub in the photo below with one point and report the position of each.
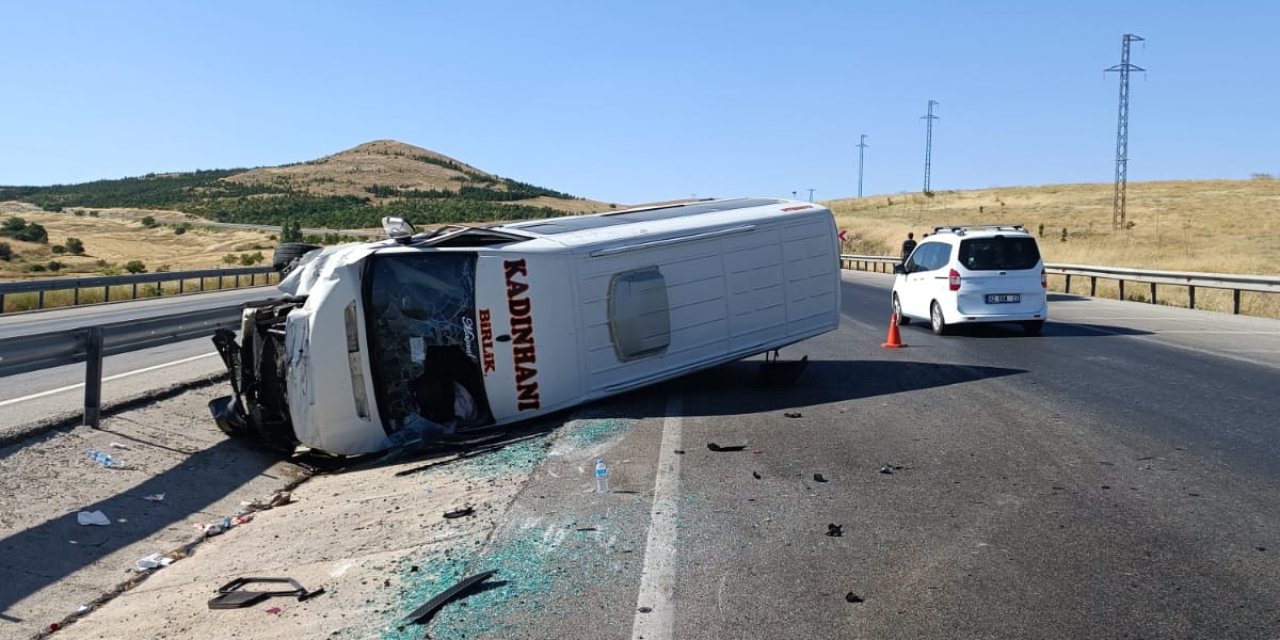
(230, 258)
(135, 266)
(102, 264)
(6, 252)
(79, 213)
(75, 246)
(164, 268)
(181, 229)
(36, 268)
(57, 248)
(93, 214)
(54, 265)
(148, 222)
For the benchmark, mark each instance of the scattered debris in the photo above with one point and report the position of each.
(275, 610)
(793, 414)
(152, 561)
(645, 609)
(756, 475)
(1260, 548)
(93, 518)
(835, 530)
(818, 477)
(852, 597)
(277, 499)
(231, 596)
(155, 497)
(459, 513)
(680, 451)
(758, 452)
(715, 447)
(423, 613)
(117, 445)
(890, 468)
(587, 529)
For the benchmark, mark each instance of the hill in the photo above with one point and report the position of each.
(1221, 226)
(354, 188)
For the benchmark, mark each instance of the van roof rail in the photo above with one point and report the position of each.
(961, 229)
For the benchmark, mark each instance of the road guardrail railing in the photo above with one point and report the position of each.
(1191, 280)
(197, 279)
(22, 354)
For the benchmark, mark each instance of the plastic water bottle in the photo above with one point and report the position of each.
(602, 477)
(100, 457)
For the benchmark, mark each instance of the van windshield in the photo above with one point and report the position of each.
(420, 319)
(999, 253)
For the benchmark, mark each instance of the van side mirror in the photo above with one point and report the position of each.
(899, 269)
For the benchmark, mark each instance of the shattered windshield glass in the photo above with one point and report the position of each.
(420, 310)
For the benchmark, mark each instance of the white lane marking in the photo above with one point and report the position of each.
(657, 582)
(126, 374)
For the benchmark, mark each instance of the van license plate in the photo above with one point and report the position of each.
(1003, 298)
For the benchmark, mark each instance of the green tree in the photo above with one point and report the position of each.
(291, 231)
(135, 266)
(230, 258)
(57, 248)
(6, 252)
(54, 265)
(148, 222)
(75, 246)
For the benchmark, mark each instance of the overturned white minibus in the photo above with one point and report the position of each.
(385, 343)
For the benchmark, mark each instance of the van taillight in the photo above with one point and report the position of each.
(1044, 280)
(953, 280)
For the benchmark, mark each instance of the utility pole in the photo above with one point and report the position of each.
(811, 190)
(928, 142)
(862, 147)
(1122, 132)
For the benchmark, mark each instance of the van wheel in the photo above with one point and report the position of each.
(288, 252)
(897, 311)
(939, 323)
(1033, 327)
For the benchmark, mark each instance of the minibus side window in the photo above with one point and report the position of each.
(639, 314)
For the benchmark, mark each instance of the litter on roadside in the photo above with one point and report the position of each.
(155, 497)
(459, 513)
(818, 477)
(835, 530)
(152, 561)
(93, 518)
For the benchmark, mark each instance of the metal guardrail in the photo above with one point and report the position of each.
(105, 283)
(1236, 283)
(23, 354)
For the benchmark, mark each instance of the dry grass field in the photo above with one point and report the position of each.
(117, 237)
(1220, 226)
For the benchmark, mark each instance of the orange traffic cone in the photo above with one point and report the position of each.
(894, 341)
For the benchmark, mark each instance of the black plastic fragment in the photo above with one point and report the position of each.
(715, 447)
(852, 597)
(425, 611)
(793, 414)
(886, 469)
(680, 451)
(459, 513)
(644, 609)
(835, 530)
(818, 477)
(230, 595)
(756, 475)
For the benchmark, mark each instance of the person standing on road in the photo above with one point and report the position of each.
(908, 245)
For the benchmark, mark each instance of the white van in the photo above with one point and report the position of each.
(384, 343)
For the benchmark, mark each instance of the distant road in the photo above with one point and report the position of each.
(22, 324)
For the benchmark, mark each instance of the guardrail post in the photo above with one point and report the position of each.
(40, 299)
(1093, 286)
(135, 291)
(75, 297)
(1121, 289)
(253, 279)
(106, 293)
(93, 376)
(1235, 301)
(1153, 293)
(201, 283)
(1, 303)
(1068, 289)
(237, 281)
(182, 287)
(1191, 293)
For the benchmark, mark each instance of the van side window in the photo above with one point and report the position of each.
(639, 315)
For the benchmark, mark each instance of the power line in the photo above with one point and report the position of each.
(1122, 132)
(862, 147)
(928, 142)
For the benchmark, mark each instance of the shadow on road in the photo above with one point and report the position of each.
(733, 390)
(1067, 297)
(1013, 331)
(35, 558)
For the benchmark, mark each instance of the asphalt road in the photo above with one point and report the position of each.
(1115, 477)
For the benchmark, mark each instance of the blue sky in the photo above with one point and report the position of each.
(635, 102)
